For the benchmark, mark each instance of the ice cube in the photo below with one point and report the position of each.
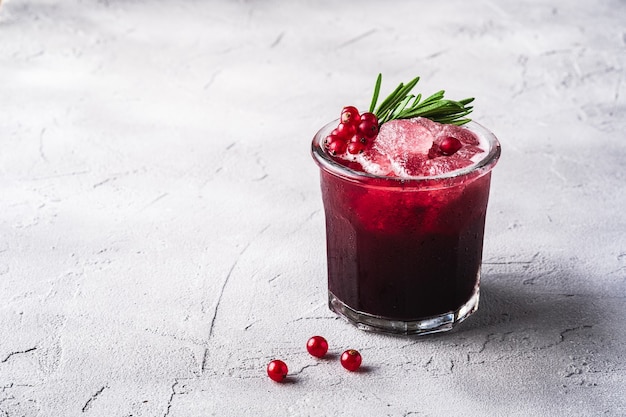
(465, 136)
(410, 148)
(405, 143)
(401, 138)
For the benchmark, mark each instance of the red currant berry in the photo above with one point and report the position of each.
(317, 346)
(369, 117)
(355, 148)
(345, 130)
(368, 129)
(351, 360)
(330, 139)
(450, 145)
(350, 115)
(358, 139)
(277, 370)
(337, 147)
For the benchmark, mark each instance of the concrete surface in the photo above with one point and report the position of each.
(161, 226)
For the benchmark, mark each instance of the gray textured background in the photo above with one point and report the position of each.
(161, 226)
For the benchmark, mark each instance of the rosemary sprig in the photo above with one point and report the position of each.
(402, 105)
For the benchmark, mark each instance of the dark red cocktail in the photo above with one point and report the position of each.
(404, 253)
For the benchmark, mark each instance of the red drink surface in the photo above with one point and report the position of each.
(407, 244)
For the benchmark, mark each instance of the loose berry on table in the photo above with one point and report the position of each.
(351, 360)
(277, 370)
(317, 346)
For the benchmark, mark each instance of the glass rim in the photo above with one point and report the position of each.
(483, 166)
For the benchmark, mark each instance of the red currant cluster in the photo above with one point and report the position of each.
(353, 134)
(317, 346)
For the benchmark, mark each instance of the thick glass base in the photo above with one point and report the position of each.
(434, 324)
